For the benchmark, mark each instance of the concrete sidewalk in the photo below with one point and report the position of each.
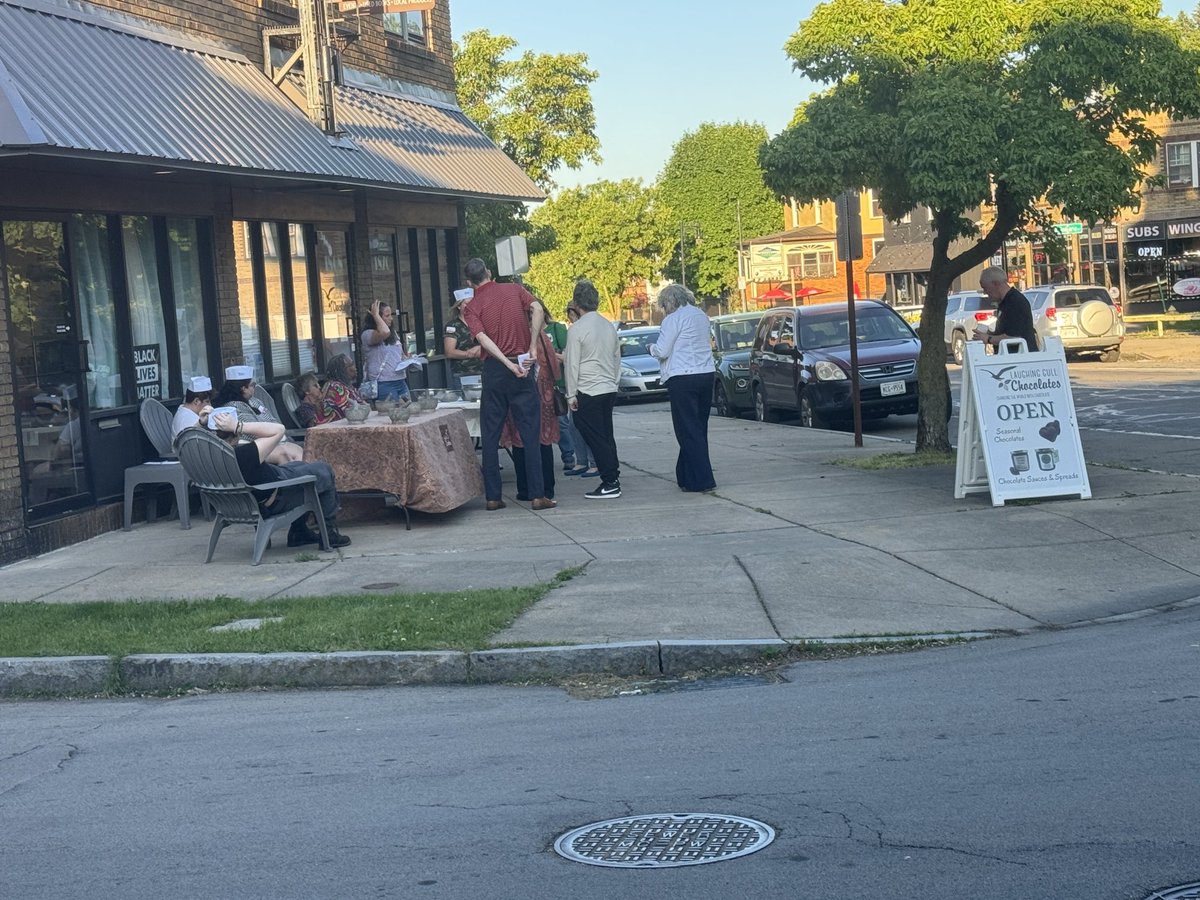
(788, 548)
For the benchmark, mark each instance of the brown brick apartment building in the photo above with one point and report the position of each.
(172, 202)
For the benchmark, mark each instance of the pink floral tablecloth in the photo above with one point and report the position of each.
(428, 463)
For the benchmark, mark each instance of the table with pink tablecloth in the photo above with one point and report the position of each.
(428, 463)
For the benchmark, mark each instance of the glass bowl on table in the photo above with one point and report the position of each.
(358, 413)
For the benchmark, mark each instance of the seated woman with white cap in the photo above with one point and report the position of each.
(238, 392)
(197, 396)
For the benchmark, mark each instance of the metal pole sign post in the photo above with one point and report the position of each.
(1017, 433)
(849, 248)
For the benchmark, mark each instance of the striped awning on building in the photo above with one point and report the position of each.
(76, 81)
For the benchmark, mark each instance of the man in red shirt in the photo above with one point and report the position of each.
(506, 320)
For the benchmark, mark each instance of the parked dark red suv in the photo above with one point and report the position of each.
(800, 363)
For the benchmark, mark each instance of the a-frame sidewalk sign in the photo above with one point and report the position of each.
(1017, 433)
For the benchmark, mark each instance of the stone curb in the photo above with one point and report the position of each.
(76, 675)
(54, 675)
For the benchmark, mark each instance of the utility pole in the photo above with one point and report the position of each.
(742, 273)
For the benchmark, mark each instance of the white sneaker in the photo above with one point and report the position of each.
(606, 491)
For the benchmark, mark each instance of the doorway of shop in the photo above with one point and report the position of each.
(49, 361)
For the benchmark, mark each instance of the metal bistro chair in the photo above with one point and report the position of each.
(291, 402)
(156, 421)
(261, 393)
(212, 466)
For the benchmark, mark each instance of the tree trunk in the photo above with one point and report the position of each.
(933, 384)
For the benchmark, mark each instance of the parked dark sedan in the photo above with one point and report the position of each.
(800, 363)
(732, 337)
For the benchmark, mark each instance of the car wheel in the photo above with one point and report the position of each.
(958, 347)
(762, 411)
(809, 417)
(721, 401)
(1110, 355)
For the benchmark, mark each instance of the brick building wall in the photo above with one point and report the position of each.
(239, 23)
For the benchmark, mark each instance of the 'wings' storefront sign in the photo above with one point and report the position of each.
(1017, 434)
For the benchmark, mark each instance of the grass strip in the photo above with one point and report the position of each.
(461, 620)
(902, 460)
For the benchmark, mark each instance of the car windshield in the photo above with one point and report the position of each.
(637, 344)
(833, 329)
(735, 335)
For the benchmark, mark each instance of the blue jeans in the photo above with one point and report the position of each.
(291, 497)
(392, 390)
(504, 392)
(566, 446)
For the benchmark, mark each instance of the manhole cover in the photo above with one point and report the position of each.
(1183, 892)
(664, 841)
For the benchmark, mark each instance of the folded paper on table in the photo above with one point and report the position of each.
(410, 361)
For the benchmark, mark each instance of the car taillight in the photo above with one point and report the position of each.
(1051, 312)
(1120, 311)
(982, 316)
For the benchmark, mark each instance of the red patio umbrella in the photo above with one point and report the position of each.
(810, 291)
(775, 294)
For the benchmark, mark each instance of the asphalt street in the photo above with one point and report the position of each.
(1055, 765)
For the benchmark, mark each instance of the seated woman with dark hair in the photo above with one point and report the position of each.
(339, 394)
(238, 392)
(311, 410)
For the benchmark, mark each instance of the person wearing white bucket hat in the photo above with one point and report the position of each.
(195, 397)
(238, 392)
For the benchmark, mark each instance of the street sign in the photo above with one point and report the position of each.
(1017, 433)
(1069, 228)
(849, 226)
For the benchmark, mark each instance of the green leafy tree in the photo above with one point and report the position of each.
(607, 231)
(1016, 106)
(538, 110)
(710, 173)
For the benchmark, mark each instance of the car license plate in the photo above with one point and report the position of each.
(891, 388)
(652, 385)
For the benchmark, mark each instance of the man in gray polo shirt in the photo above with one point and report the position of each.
(593, 363)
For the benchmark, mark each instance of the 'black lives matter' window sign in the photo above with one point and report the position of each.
(147, 371)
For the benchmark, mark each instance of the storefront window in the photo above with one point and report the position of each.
(421, 292)
(183, 248)
(333, 274)
(247, 308)
(92, 275)
(1098, 262)
(385, 285)
(302, 320)
(145, 306)
(446, 281)
(281, 361)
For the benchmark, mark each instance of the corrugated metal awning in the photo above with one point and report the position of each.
(84, 83)
(902, 258)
